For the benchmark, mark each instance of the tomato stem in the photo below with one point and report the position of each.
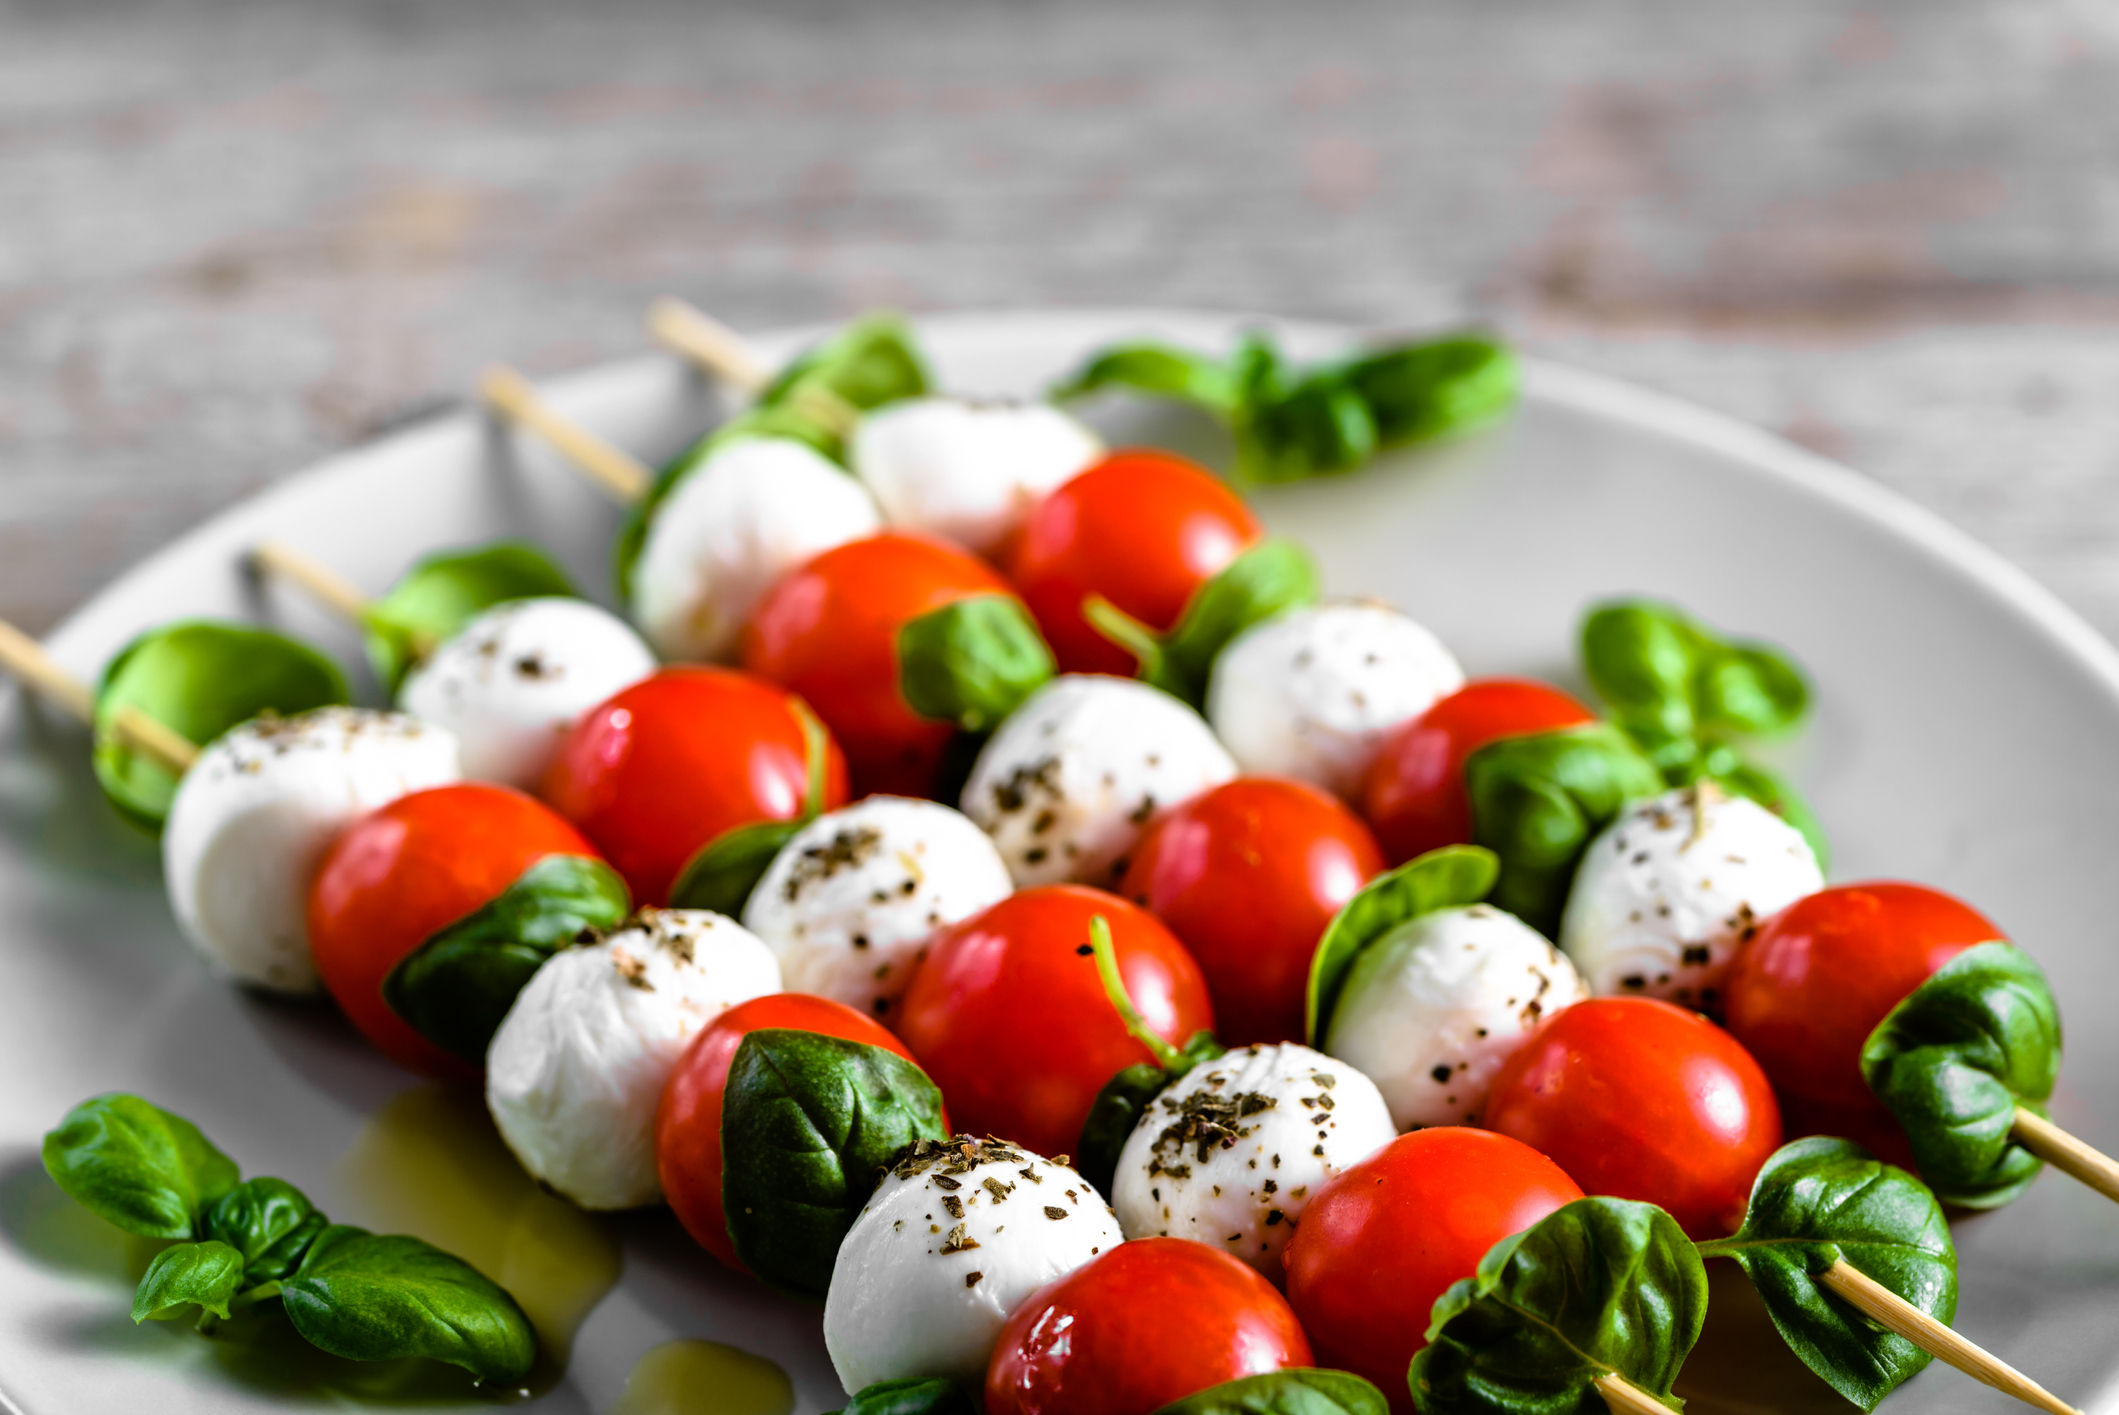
(1123, 630)
(1166, 1056)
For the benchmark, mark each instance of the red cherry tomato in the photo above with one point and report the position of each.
(657, 770)
(1383, 1239)
(1009, 1018)
(1247, 875)
(1414, 795)
(829, 631)
(1641, 1099)
(1144, 530)
(688, 1123)
(1150, 1322)
(398, 875)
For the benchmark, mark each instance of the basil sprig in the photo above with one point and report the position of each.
(137, 1167)
(973, 661)
(721, 876)
(1954, 1061)
(199, 678)
(376, 1297)
(455, 988)
(911, 1395)
(442, 593)
(1448, 878)
(1270, 578)
(1602, 1286)
(1295, 1390)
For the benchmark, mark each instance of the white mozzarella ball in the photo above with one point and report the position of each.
(1672, 888)
(968, 470)
(1433, 1008)
(514, 679)
(751, 512)
(944, 1250)
(254, 815)
(1230, 1155)
(849, 903)
(577, 1068)
(1066, 785)
(1312, 693)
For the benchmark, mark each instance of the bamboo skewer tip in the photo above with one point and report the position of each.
(1893, 1313)
(2066, 1152)
(514, 397)
(33, 664)
(685, 329)
(1626, 1398)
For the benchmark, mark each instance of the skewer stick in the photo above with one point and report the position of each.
(26, 659)
(337, 593)
(617, 472)
(722, 353)
(1893, 1313)
(1626, 1398)
(2066, 1153)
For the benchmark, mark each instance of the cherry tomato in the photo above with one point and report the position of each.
(1144, 530)
(1150, 1322)
(1414, 795)
(1383, 1239)
(829, 631)
(657, 770)
(398, 875)
(1642, 1099)
(1010, 1019)
(1247, 875)
(688, 1123)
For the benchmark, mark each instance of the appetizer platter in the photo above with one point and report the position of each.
(1061, 863)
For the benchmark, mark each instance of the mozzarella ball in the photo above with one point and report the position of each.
(576, 1070)
(1067, 784)
(1672, 888)
(968, 470)
(1231, 1153)
(848, 904)
(1311, 693)
(254, 815)
(514, 679)
(1432, 1009)
(954, 1237)
(751, 512)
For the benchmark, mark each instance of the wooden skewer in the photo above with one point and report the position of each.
(618, 472)
(333, 590)
(2066, 1153)
(26, 659)
(1626, 1398)
(1893, 1313)
(685, 329)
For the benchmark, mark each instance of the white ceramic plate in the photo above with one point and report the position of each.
(1967, 735)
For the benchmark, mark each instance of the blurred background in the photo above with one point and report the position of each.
(236, 237)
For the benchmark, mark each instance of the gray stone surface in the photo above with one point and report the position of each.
(234, 237)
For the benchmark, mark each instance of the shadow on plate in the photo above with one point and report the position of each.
(39, 1221)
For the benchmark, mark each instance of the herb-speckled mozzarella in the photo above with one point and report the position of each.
(1432, 1009)
(756, 509)
(968, 470)
(577, 1068)
(954, 1237)
(848, 904)
(254, 815)
(1311, 693)
(1066, 785)
(1663, 900)
(1230, 1155)
(512, 682)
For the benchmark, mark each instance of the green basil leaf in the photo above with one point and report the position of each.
(1954, 1060)
(371, 1298)
(1296, 1390)
(1124, 1099)
(1818, 1201)
(1321, 427)
(872, 361)
(442, 593)
(728, 867)
(1440, 879)
(1435, 388)
(137, 1166)
(1776, 795)
(1157, 370)
(1538, 800)
(1661, 669)
(807, 1124)
(206, 1275)
(972, 662)
(269, 1222)
(912, 1395)
(1602, 1285)
(199, 678)
(1270, 578)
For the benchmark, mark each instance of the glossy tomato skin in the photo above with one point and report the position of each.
(658, 769)
(1143, 529)
(1147, 1323)
(398, 875)
(1385, 1238)
(1414, 795)
(688, 1122)
(1247, 875)
(1008, 1017)
(1642, 1099)
(829, 631)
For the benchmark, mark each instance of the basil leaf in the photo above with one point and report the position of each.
(137, 1166)
(1657, 666)
(1296, 1390)
(1321, 427)
(1954, 1060)
(205, 1275)
(1270, 578)
(371, 1298)
(199, 678)
(269, 1223)
(1538, 800)
(442, 593)
(1818, 1201)
(1158, 370)
(807, 1124)
(1435, 388)
(911, 1395)
(1602, 1285)
(972, 662)
(728, 867)
(1440, 879)
(455, 988)
(1124, 1099)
